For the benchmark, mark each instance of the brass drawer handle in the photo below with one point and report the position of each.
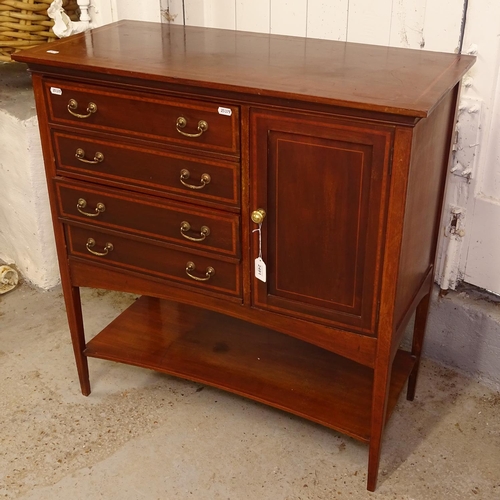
(80, 154)
(210, 271)
(72, 105)
(185, 227)
(82, 203)
(185, 174)
(182, 122)
(108, 247)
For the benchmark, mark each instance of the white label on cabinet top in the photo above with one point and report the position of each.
(52, 52)
(260, 269)
(225, 111)
(55, 90)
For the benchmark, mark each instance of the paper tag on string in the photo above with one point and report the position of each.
(260, 269)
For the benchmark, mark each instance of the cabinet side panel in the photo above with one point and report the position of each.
(429, 160)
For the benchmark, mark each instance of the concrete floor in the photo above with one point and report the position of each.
(143, 435)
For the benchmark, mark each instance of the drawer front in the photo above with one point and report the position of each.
(210, 126)
(146, 257)
(171, 222)
(118, 163)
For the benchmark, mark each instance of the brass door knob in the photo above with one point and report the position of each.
(258, 215)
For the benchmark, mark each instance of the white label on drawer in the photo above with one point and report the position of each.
(52, 52)
(55, 90)
(260, 269)
(225, 111)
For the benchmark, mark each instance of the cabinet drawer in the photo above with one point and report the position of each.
(171, 222)
(118, 162)
(210, 126)
(148, 257)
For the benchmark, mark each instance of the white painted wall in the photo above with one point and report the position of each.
(26, 237)
(480, 260)
(403, 23)
(107, 11)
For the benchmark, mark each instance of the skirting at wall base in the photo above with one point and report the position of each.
(463, 332)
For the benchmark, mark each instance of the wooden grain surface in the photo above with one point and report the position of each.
(401, 81)
(254, 362)
(150, 217)
(323, 184)
(159, 172)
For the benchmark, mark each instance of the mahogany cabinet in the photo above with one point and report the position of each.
(275, 200)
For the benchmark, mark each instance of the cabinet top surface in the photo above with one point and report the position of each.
(383, 79)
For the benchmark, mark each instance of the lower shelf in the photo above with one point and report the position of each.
(249, 360)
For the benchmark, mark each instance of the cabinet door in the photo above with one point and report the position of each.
(323, 185)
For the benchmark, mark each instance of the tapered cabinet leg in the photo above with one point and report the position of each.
(75, 320)
(373, 464)
(421, 316)
(375, 447)
(381, 384)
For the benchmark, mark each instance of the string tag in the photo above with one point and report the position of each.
(260, 269)
(260, 265)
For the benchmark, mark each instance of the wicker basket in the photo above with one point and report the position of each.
(25, 24)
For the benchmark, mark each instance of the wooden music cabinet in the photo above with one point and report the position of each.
(175, 156)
